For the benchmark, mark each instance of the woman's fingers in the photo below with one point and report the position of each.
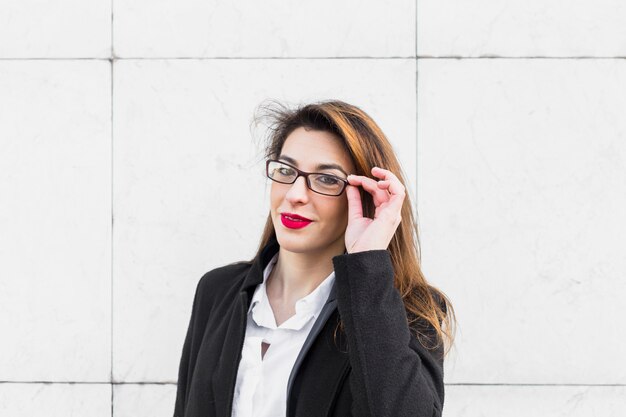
(384, 185)
(355, 207)
(396, 189)
(370, 185)
(395, 186)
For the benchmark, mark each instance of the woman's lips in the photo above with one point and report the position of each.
(295, 223)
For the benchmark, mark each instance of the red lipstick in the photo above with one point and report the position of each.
(294, 221)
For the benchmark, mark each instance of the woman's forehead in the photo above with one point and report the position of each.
(315, 149)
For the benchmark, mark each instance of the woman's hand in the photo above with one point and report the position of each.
(363, 233)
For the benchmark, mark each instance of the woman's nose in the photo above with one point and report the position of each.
(298, 190)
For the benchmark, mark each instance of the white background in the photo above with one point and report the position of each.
(128, 168)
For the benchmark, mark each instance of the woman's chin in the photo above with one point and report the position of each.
(293, 242)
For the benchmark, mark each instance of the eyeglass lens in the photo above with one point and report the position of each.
(324, 184)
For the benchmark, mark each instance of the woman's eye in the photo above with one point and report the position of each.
(285, 171)
(329, 180)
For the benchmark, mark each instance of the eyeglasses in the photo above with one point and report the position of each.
(325, 184)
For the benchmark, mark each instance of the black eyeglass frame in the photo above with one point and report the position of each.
(306, 177)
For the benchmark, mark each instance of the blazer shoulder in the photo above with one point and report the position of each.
(219, 280)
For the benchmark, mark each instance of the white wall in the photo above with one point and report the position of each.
(126, 156)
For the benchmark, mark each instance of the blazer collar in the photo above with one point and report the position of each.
(255, 274)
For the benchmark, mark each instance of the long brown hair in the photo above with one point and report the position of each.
(428, 308)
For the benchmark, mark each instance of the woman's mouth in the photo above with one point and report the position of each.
(293, 221)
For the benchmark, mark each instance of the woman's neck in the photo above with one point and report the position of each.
(296, 275)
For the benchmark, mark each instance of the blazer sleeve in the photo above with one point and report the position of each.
(392, 373)
(191, 345)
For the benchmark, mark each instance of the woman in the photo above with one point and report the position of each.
(333, 316)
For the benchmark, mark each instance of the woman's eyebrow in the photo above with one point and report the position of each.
(319, 166)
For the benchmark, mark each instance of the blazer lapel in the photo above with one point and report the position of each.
(225, 376)
(321, 371)
(327, 310)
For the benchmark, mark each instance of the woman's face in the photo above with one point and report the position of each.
(306, 150)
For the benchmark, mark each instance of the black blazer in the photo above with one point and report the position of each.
(376, 368)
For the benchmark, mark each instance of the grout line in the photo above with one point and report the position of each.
(200, 58)
(516, 57)
(112, 32)
(470, 384)
(449, 384)
(416, 120)
(89, 382)
(114, 58)
(112, 240)
(56, 59)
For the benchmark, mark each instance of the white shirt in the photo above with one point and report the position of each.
(261, 387)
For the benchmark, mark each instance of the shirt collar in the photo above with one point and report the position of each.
(306, 307)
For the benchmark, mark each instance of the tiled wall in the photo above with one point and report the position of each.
(128, 168)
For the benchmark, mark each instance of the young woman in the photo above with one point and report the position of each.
(332, 316)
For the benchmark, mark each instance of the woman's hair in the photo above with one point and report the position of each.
(428, 308)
